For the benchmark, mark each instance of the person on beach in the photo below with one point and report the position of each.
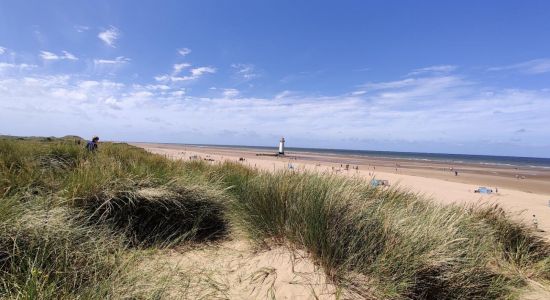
(535, 222)
(92, 145)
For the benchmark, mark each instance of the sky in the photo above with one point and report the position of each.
(468, 77)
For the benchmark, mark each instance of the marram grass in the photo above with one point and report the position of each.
(73, 223)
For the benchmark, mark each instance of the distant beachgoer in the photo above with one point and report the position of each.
(535, 222)
(92, 145)
(496, 190)
(456, 173)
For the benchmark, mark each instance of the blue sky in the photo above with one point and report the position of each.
(429, 76)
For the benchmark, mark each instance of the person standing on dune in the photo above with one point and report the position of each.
(92, 145)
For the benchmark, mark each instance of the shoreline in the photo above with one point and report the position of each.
(438, 158)
(434, 180)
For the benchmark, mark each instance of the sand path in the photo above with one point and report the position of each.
(235, 270)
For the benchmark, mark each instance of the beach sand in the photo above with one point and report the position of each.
(527, 196)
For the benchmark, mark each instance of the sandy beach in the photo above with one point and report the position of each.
(527, 195)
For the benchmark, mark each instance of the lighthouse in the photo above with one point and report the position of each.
(282, 146)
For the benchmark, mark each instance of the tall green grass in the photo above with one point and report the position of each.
(390, 243)
(68, 218)
(73, 223)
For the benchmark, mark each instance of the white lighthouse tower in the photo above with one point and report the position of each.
(282, 146)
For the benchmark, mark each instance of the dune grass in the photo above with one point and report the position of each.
(70, 219)
(74, 223)
(390, 243)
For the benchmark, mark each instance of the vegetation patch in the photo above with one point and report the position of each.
(162, 216)
(67, 217)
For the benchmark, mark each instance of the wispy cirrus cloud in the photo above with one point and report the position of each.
(81, 28)
(433, 70)
(230, 93)
(184, 51)
(194, 74)
(245, 72)
(17, 67)
(46, 55)
(2, 50)
(535, 66)
(119, 60)
(109, 36)
(109, 66)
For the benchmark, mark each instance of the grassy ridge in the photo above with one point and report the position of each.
(392, 243)
(68, 218)
(377, 243)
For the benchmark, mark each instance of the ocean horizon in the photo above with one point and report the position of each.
(498, 160)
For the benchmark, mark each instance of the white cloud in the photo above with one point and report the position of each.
(284, 94)
(87, 84)
(155, 87)
(46, 55)
(19, 67)
(68, 55)
(230, 93)
(184, 51)
(179, 93)
(179, 67)
(434, 69)
(536, 66)
(109, 66)
(389, 84)
(109, 36)
(442, 109)
(162, 78)
(120, 60)
(195, 73)
(81, 28)
(245, 71)
(2, 50)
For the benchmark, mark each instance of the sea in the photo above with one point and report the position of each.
(511, 161)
